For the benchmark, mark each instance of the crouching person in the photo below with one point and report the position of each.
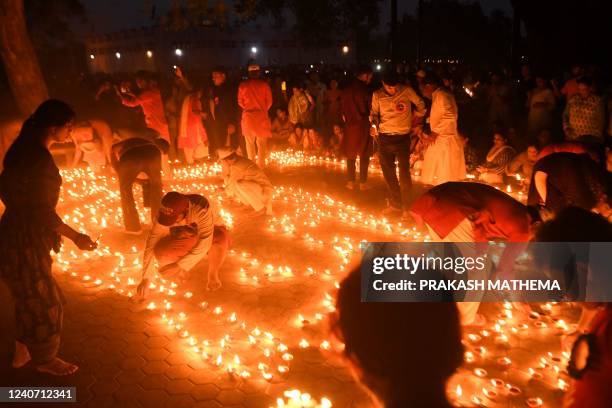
(187, 229)
(245, 181)
(131, 158)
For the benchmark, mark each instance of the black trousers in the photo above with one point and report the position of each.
(351, 167)
(146, 159)
(392, 148)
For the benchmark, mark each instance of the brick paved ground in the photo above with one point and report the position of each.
(133, 356)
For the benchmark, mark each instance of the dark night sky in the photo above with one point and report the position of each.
(115, 15)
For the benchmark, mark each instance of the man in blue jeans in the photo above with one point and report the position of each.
(391, 121)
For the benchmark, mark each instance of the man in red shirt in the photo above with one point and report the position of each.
(355, 102)
(255, 99)
(150, 100)
(468, 213)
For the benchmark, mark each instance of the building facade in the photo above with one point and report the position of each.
(154, 49)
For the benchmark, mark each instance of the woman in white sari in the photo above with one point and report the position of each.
(443, 159)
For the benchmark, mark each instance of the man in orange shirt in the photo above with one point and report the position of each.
(150, 100)
(255, 99)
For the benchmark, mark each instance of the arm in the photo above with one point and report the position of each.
(292, 108)
(515, 164)
(204, 221)
(78, 154)
(375, 110)
(241, 97)
(82, 241)
(131, 101)
(498, 166)
(154, 236)
(540, 184)
(418, 102)
(268, 97)
(565, 118)
(211, 106)
(67, 231)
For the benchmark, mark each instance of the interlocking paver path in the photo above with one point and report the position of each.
(265, 332)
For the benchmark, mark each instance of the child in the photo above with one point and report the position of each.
(296, 140)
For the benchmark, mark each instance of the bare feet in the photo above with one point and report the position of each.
(213, 285)
(57, 366)
(22, 355)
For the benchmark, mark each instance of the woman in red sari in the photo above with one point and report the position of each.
(192, 138)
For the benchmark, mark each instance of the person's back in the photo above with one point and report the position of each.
(246, 170)
(571, 180)
(255, 99)
(354, 103)
(119, 149)
(224, 99)
(254, 94)
(498, 215)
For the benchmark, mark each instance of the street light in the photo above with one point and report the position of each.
(253, 50)
(118, 55)
(378, 67)
(91, 56)
(149, 54)
(345, 49)
(178, 52)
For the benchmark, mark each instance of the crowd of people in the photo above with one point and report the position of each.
(412, 124)
(441, 123)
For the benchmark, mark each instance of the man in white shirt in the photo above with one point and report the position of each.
(245, 181)
(391, 121)
(187, 229)
(444, 160)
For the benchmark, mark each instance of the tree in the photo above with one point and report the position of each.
(186, 14)
(561, 32)
(454, 29)
(20, 61)
(317, 22)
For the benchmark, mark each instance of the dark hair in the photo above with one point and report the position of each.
(363, 69)
(381, 337)
(142, 74)
(390, 78)
(299, 84)
(162, 144)
(500, 129)
(534, 214)
(585, 80)
(219, 68)
(431, 79)
(50, 113)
